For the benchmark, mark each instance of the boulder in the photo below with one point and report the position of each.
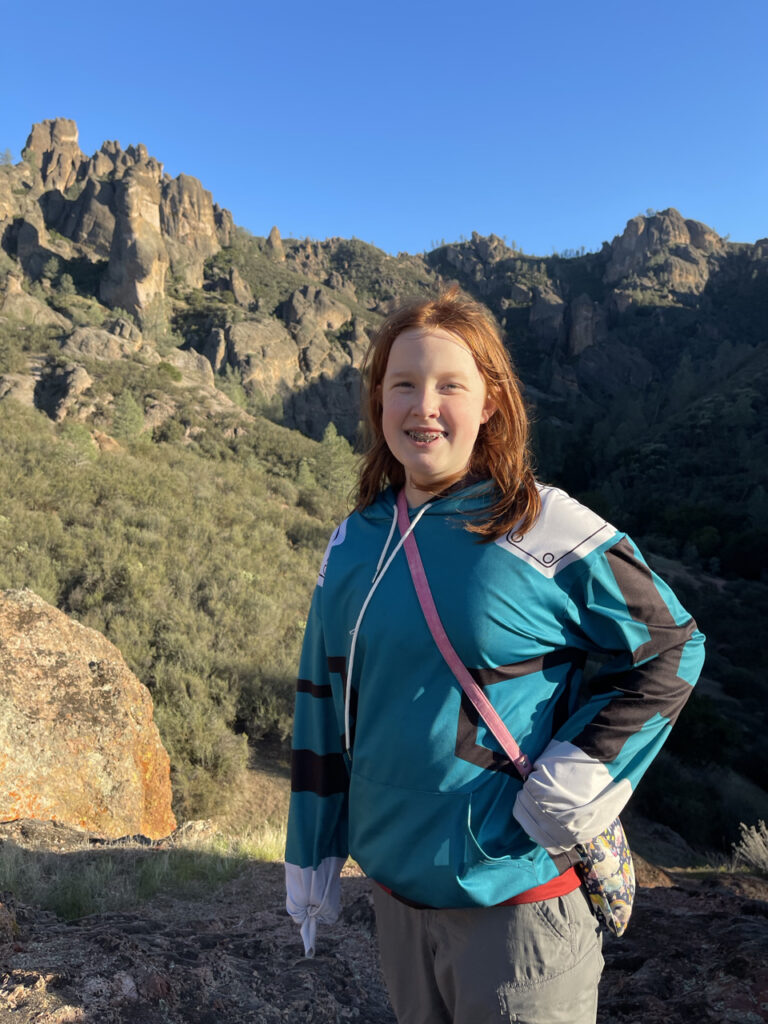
(215, 349)
(59, 388)
(20, 387)
(265, 353)
(124, 329)
(96, 343)
(242, 293)
(77, 741)
(195, 368)
(19, 305)
(315, 305)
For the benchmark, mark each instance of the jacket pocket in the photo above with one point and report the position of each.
(423, 845)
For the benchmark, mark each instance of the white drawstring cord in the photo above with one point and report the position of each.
(384, 549)
(377, 578)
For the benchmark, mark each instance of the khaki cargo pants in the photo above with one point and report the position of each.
(536, 963)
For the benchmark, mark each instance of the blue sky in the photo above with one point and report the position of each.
(550, 123)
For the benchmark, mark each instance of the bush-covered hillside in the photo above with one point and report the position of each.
(197, 560)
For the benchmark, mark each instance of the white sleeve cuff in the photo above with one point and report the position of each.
(313, 895)
(568, 798)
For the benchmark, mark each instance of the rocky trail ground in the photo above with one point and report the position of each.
(696, 951)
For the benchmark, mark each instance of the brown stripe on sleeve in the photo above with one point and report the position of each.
(307, 686)
(323, 774)
(653, 688)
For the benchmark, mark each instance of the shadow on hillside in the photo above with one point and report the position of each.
(327, 400)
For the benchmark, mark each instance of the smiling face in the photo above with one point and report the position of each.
(434, 400)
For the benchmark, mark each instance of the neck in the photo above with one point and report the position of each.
(417, 493)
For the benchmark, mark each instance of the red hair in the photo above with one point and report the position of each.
(501, 452)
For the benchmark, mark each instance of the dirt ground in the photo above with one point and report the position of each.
(696, 951)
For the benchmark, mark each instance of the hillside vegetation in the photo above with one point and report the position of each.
(179, 407)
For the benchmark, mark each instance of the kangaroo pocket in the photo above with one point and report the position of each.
(426, 846)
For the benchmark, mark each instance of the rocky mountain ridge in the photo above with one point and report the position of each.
(161, 250)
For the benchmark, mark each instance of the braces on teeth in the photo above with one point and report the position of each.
(419, 435)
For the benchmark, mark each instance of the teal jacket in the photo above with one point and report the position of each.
(427, 803)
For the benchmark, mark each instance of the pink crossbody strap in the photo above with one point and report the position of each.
(467, 683)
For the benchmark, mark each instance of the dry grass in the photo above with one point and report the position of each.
(752, 848)
(259, 807)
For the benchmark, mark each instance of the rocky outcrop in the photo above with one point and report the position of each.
(547, 317)
(313, 306)
(120, 206)
(665, 252)
(88, 220)
(587, 324)
(96, 343)
(188, 225)
(275, 244)
(242, 293)
(20, 387)
(138, 258)
(265, 353)
(294, 359)
(195, 369)
(77, 741)
(52, 148)
(59, 388)
(19, 305)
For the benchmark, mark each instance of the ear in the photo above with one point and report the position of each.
(488, 410)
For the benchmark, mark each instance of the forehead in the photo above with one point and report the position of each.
(429, 346)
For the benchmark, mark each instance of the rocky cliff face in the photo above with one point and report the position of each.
(77, 741)
(117, 204)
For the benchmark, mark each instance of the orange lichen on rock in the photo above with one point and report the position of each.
(78, 741)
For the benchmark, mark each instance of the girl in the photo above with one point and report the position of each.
(479, 911)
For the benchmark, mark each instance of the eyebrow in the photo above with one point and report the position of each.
(410, 373)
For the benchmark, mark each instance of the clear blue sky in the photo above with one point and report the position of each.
(404, 123)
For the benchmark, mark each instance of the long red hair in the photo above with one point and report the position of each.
(502, 450)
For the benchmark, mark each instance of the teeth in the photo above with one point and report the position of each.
(419, 435)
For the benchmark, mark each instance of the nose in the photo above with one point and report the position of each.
(425, 402)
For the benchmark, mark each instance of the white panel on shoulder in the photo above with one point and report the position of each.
(337, 537)
(565, 532)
